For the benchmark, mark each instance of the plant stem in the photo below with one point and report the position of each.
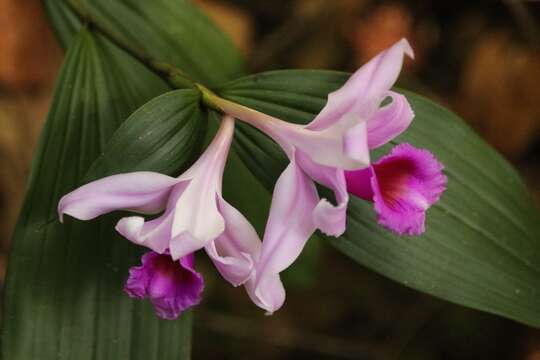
(170, 73)
(209, 98)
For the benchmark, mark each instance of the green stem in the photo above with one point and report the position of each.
(241, 112)
(209, 98)
(174, 76)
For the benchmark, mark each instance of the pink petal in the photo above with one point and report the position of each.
(235, 250)
(144, 192)
(355, 146)
(290, 224)
(268, 293)
(197, 219)
(404, 184)
(329, 218)
(154, 234)
(342, 145)
(171, 286)
(366, 88)
(184, 243)
(389, 121)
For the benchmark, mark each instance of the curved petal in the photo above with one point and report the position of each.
(144, 192)
(197, 219)
(330, 219)
(236, 249)
(365, 89)
(154, 234)
(268, 293)
(389, 121)
(290, 224)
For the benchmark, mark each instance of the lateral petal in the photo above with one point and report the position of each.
(389, 121)
(290, 223)
(289, 226)
(143, 192)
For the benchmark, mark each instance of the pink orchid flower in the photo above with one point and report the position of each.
(339, 138)
(194, 213)
(172, 286)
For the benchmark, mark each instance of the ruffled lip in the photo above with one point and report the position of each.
(172, 286)
(402, 186)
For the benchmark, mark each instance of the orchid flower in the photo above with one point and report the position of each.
(172, 286)
(339, 138)
(194, 213)
(402, 185)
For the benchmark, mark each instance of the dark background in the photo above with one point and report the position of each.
(479, 58)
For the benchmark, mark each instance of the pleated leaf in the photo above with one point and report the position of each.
(163, 135)
(63, 297)
(168, 31)
(482, 244)
(65, 23)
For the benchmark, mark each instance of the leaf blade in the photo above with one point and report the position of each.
(168, 31)
(63, 295)
(163, 135)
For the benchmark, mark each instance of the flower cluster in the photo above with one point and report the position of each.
(333, 150)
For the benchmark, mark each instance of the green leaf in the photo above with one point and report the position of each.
(170, 31)
(164, 135)
(65, 22)
(482, 244)
(63, 297)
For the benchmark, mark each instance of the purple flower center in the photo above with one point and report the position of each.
(397, 179)
(167, 273)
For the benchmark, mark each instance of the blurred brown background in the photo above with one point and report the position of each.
(480, 58)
